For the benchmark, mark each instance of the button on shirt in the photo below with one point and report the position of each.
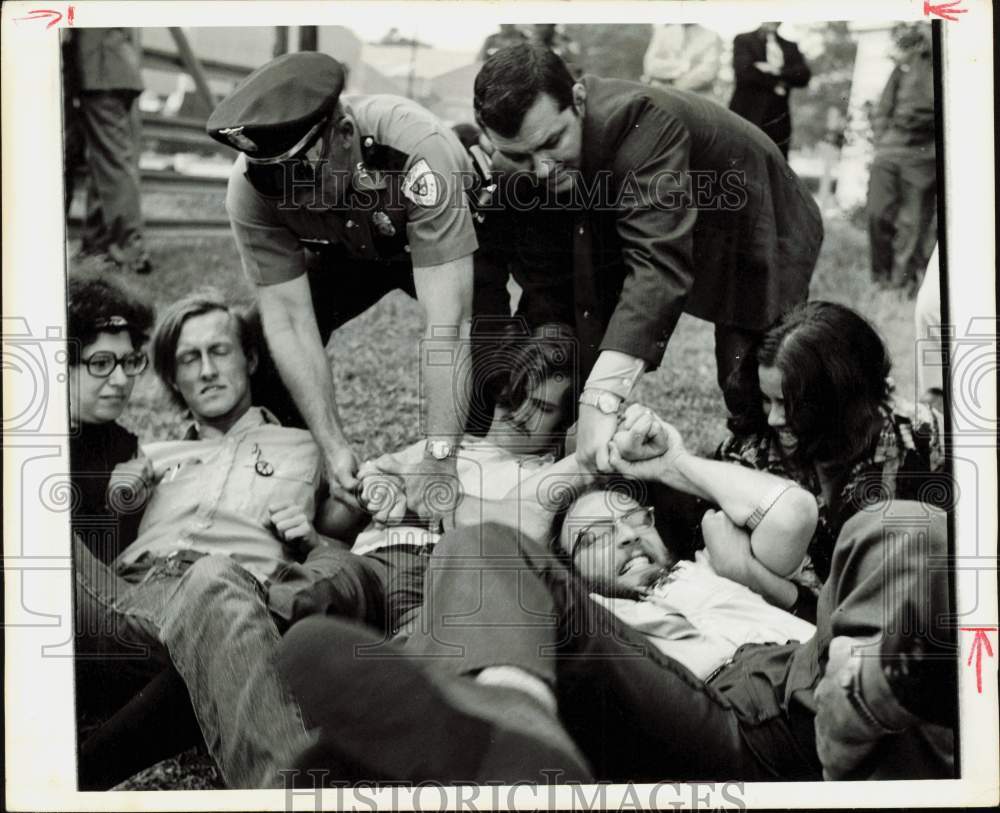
(213, 496)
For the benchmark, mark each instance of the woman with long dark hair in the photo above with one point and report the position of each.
(820, 410)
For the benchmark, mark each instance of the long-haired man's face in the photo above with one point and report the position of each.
(614, 545)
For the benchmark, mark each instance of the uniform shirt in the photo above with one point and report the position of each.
(699, 618)
(484, 470)
(107, 59)
(419, 212)
(212, 496)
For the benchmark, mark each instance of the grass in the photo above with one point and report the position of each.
(376, 364)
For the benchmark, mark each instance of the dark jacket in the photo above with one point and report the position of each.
(738, 250)
(108, 59)
(904, 115)
(754, 98)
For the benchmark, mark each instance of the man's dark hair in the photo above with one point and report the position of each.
(171, 322)
(834, 368)
(511, 80)
(547, 354)
(101, 304)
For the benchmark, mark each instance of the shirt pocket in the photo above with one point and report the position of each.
(276, 476)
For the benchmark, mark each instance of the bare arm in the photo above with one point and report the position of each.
(286, 310)
(779, 541)
(445, 291)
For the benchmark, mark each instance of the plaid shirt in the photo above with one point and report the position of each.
(905, 463)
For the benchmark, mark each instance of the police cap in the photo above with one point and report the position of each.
(277, 110)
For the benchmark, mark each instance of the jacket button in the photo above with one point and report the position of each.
(351, 224)
(586, 314)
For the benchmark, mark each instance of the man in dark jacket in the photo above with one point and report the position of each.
(675, 204)
(103, 80)
(902, 191)
(766, 67)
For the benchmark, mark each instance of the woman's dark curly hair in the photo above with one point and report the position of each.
(834, 369)
(92, 301)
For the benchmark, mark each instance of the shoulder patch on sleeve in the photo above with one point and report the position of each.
(421, 184)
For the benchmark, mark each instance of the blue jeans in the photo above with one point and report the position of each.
(209, 617)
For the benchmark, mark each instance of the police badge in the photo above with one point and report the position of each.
(234, 135)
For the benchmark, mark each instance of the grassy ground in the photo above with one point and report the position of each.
(376, 359)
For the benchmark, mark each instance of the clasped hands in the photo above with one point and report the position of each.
(390, 488)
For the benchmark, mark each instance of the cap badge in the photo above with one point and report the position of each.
(383, 225)
(235, 137)
(421, 184)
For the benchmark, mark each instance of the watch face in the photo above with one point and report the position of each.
(607, 403)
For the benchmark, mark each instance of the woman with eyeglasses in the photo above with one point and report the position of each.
(107, 326)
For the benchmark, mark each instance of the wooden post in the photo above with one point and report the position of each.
(308, 38)
(280, 40)
(193, 68)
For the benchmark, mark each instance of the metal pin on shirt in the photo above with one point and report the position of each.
(261, 466)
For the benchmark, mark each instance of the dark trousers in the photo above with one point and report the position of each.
(103, 131)
(382, 588)
(494, 598)
(343, 288)
(902, 216)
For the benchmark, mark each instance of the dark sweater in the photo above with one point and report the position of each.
(94, 453)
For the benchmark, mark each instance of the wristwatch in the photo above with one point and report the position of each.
(607, 402)
(439, 449)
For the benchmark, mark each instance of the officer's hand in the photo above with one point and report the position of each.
(292, 526)
(432, 490)
(383, 492)
(341, 468)
(843, 738)
(594, 431)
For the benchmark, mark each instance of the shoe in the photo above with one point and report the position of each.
(382, 717)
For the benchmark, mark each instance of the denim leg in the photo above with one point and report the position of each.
(222, 639)
(114, 653)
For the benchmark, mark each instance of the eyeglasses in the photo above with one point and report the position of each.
(102, 364)
(638, 519)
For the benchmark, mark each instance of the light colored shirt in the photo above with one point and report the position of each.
(484, 470)
(213, 496)
(699, 618)
(421, 210)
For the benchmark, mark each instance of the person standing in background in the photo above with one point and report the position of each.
(902, 187)
(684, 56)
(103, 79)
(766, 67)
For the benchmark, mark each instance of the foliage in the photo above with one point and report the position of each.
(830, 87)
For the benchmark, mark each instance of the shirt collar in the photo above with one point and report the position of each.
(252, 419)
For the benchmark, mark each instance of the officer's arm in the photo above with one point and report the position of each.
(286, 311)
(445, 291)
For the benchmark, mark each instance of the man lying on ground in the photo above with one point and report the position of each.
(380, 581)
(635, 713)
(191, 589)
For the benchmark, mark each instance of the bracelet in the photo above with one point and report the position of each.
(766, 505)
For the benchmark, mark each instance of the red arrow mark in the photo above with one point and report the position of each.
(944, 10)
(41, 14)
(982, 639)
(69, 16)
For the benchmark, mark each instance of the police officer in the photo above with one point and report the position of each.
(334, 202)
